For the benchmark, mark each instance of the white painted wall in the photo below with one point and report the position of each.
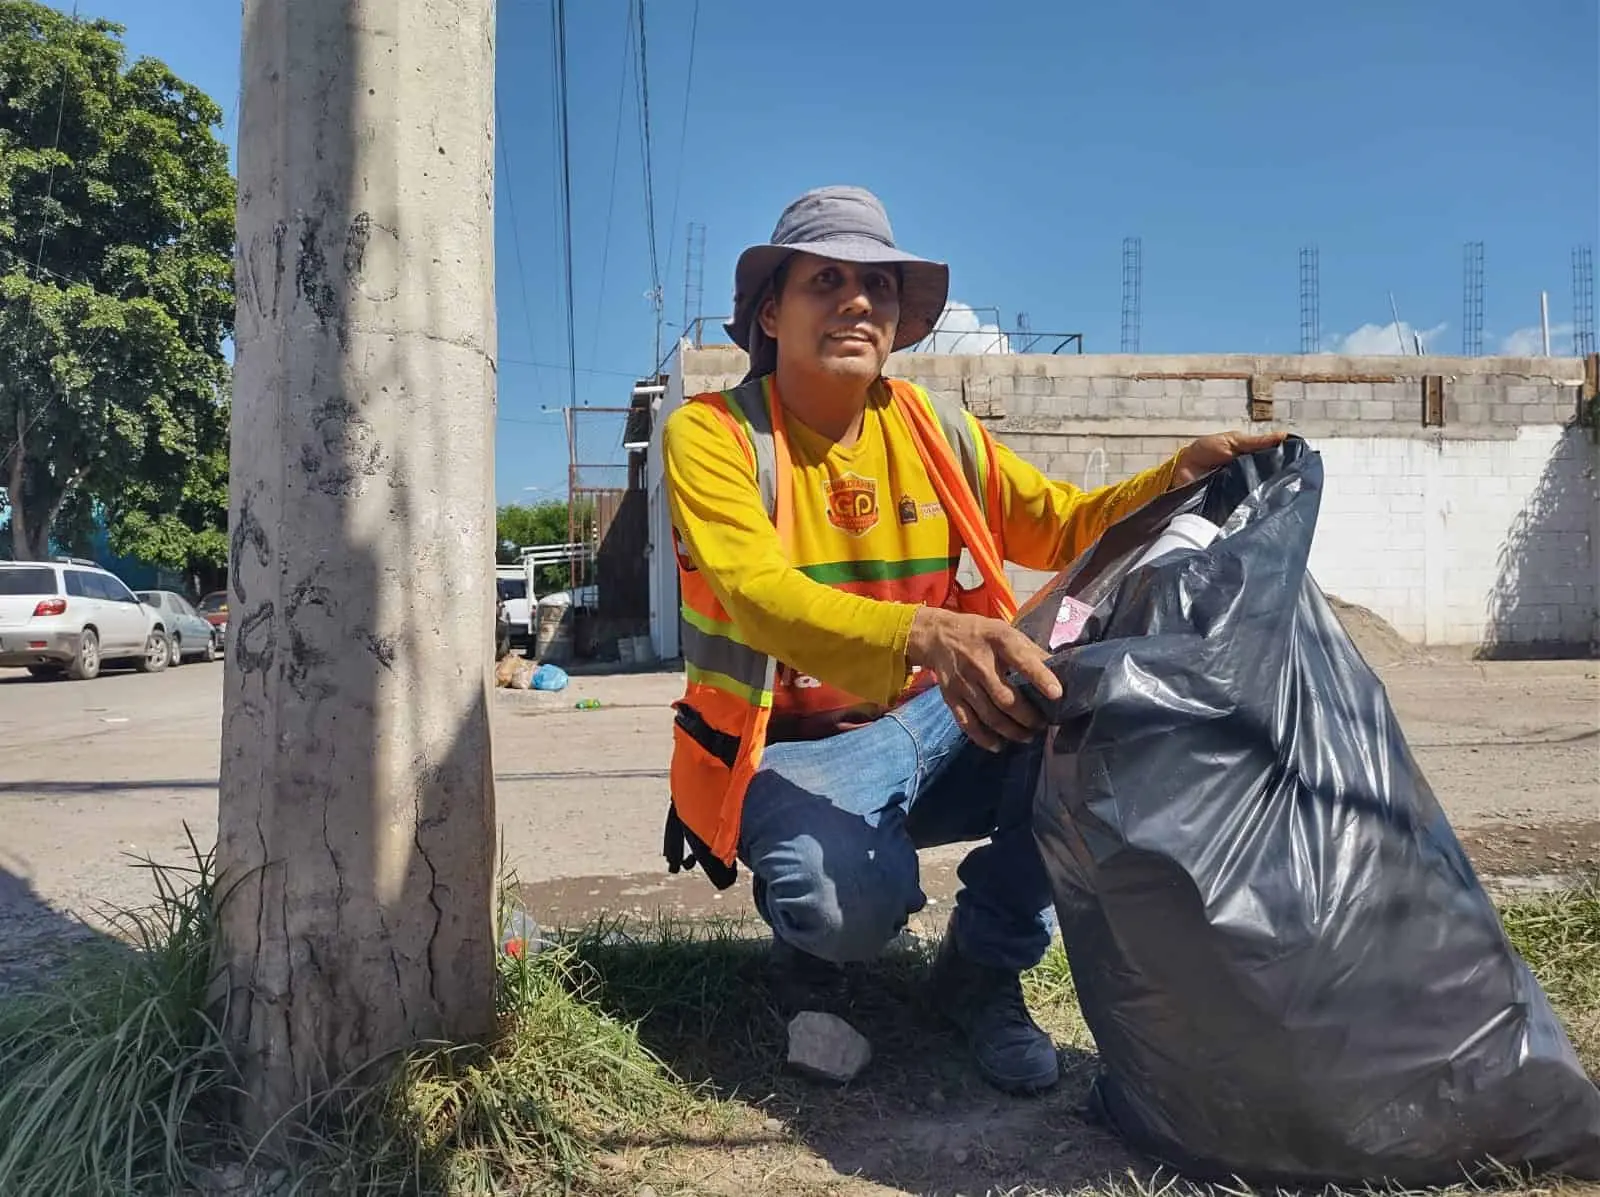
(663, 562)
(1464, 541)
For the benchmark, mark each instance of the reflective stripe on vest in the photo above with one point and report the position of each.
(720, 730)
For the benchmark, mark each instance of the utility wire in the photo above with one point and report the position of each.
(656, 294)
(38, 265)
(560, 14)
(516, 240)
(611, 184)
(683, 139)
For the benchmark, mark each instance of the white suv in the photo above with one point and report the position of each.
(67, 617)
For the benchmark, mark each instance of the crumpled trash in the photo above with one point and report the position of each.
(514, 673)
(1290, 969)
(549, 677)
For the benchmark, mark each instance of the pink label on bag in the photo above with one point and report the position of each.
(1070, 618)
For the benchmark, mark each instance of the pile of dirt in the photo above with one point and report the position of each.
(1375, 638)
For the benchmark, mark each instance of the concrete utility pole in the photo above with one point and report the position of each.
(357, 797)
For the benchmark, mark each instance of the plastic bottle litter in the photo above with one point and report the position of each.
(587, 704)
(521, 936)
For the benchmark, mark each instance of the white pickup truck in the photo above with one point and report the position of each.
(515, 584)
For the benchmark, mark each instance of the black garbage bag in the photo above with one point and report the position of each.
(1288, 964)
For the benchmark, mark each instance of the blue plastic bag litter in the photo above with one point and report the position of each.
(1290, 969)
(549, 677)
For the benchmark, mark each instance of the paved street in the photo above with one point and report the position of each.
(92, 772)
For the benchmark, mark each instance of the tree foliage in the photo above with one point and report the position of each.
(522, 525)
(116, 293)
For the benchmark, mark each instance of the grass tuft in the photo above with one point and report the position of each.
(106, 1077)
(1558, 934)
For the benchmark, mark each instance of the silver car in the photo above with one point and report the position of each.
(190, 636)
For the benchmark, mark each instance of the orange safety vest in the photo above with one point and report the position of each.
(721, 725)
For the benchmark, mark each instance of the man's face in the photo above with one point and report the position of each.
(834, 317)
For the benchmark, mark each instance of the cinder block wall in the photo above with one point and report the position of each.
(1474, 520)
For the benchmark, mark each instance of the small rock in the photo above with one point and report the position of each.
(644, 1191)
(772, 1126)
(1061, 1148)
(936, 1099)
(826, 1048)
(960, 1155)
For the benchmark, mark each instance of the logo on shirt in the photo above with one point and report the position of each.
(852, 503)
(908, 510)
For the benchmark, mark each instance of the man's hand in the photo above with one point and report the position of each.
(970, 655)
(1213, 452)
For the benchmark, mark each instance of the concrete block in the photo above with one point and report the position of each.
(1398, 393)
(826, 1048)
(1223, 388)
(1342, 409)
(1376, 409)
(1545, 413)
(1469, 413)
(1127, 406)
(1201, 407)
(1523, 393)
(1505, 413)
(1099, 407)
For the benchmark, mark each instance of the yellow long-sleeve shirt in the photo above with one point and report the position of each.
(871, 544)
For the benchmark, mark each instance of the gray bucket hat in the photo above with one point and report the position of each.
(847, 224)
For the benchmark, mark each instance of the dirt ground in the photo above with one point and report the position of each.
(94, 772)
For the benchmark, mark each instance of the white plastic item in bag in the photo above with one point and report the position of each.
(1185, 531)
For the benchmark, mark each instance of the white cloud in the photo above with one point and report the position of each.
(1529, 342)
(1384, 340)
(960, 330)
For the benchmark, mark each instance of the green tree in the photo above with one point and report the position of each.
(116, 293)
(522, 525)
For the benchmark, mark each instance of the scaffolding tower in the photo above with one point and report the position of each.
(694, 275)
(1583, 340)
(1132, 292)
(1310, 300)
(1472, 299)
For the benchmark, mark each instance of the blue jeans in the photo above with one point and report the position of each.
(831, 830)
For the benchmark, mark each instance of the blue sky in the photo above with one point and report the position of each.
(1021, 142)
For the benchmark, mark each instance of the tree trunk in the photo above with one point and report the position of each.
(357, 797)
(21, 540)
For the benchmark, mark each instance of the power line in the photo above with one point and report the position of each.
(683, 130)
(516, 238)
(38, 266)
(649, 175)
(611, 183)
(559, 14)
(563, 366)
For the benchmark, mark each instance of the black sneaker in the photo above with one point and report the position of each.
(1012, 1053)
